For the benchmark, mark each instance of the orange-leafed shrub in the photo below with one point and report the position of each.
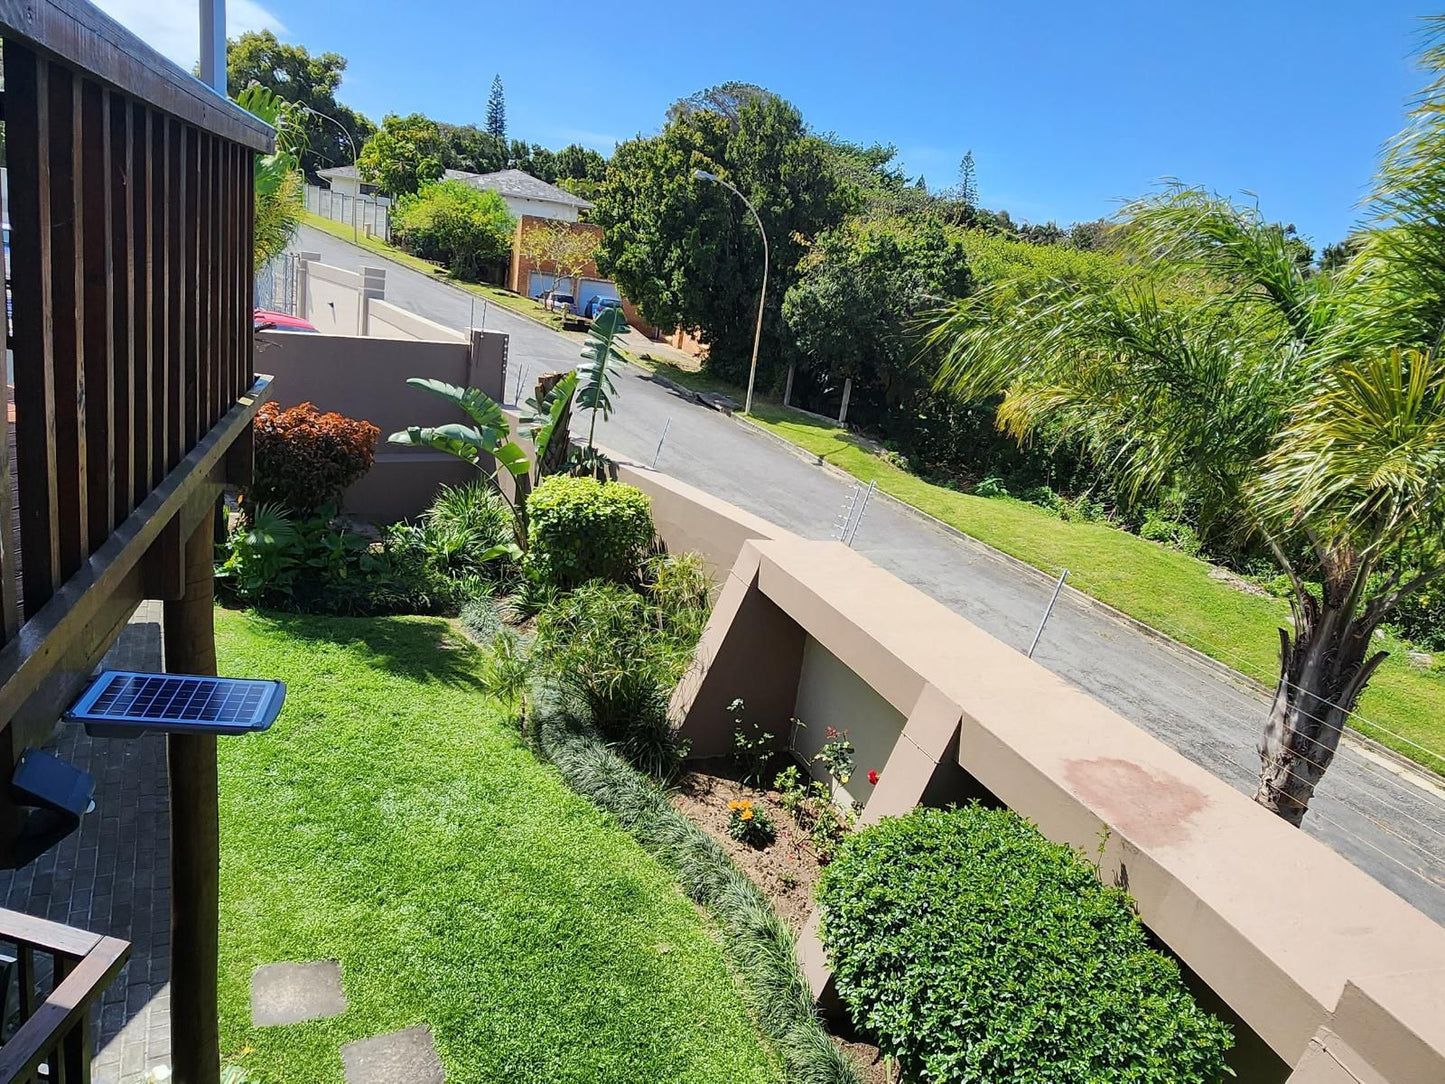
(306, 459)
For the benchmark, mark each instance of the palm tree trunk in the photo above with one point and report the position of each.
(1323, 670)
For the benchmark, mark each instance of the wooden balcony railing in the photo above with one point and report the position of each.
(57, 973)
(130, 260)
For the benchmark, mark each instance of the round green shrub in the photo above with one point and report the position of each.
(580, 529)
(977, 951)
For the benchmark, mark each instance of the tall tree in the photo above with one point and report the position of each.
(688, 253)
(497, 110)
(295, 75)
(472, 149)
(1306, 408)
(967, 181)
(404, 155)
(854, 311)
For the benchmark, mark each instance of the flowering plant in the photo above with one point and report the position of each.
(749, 824)
(837, 755)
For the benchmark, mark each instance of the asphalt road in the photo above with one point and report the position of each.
(1388, 820)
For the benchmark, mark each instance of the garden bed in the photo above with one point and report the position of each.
(786, 870)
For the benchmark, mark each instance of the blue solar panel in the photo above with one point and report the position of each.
(121, 703)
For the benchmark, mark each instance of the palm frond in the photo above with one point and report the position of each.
(1189, 229)
(1363, 458)
(1403, 255)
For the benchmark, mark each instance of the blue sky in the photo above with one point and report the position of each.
(1068, 107)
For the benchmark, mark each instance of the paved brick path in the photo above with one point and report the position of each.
(113, 875)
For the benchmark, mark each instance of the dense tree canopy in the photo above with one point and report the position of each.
(471, 149)
(404, 155)
(455, 224)
(856, 306)
(688, 253)
(295, 75)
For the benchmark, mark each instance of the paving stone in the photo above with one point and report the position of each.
(401, 1057)
(289, 993)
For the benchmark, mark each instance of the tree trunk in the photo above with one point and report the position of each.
(1324, 668)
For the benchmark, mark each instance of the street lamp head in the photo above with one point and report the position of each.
(703, 175)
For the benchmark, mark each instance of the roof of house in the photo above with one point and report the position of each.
(513, 182)
(506, 182)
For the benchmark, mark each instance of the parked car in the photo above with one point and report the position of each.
(266, 320)
(598, 303)
(554, 301)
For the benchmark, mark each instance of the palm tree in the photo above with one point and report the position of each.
(1305, 409)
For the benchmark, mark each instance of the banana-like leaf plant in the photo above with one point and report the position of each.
(489, 436)
(595, 386)
(550, 422)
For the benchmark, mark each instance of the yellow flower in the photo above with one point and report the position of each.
(747, 814)
(735, 804)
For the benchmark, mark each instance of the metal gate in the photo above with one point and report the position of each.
(276, 285)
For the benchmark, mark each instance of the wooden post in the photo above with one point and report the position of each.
(847, 394)
(788, 387)
(190, 644)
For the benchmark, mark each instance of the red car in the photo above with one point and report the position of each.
(266, 320)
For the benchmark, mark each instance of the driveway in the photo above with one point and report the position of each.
(1387, 819)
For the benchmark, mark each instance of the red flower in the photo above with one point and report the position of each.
(872, 776)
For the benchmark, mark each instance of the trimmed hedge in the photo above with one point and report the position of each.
(580, 529)
(975, 950)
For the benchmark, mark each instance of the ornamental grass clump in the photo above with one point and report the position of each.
(974, 950)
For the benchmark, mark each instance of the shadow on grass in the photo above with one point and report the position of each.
(420, 649)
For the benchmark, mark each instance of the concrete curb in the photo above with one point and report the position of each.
(1247, 684)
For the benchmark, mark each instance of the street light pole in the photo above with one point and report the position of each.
(344, 131)
(704, 175)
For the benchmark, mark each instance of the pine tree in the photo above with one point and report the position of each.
(967, 182)
(497, 110)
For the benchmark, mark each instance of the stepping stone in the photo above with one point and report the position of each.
(402, 1057)
(291, 993)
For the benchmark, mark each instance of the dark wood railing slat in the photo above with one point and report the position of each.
(28, 142)
(67, 260)
(97, 321)
(122, 277)
(175, 287)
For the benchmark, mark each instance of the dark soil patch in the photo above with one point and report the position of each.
(786, 870)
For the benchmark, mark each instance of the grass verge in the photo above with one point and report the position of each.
(391, 820)
(760, 943)
(1403, 708)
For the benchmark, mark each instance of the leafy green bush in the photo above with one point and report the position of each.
(315, 565)
(976, 950)
(580, 529)
(991, 487)
(1180, 536)
(681, 590)
(602, 648)
(464, 524)
(455, 224)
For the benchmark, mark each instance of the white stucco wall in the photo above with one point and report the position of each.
(344, 186)
(540, 208)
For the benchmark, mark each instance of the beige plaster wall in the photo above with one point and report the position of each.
(387, 321)
(831, 694)
(332, 299)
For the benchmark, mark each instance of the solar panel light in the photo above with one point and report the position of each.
(126, 704)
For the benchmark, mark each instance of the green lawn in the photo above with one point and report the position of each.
(392, 821)
(1161, 587)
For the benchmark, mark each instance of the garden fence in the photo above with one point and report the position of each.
(373, 213)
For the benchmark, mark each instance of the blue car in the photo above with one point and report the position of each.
(598, 303)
